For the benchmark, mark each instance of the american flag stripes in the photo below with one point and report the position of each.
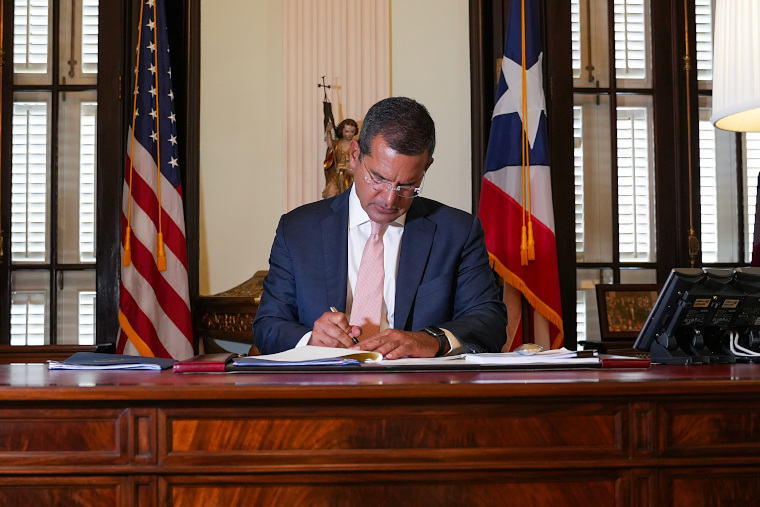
(516, 200)
(154, 307)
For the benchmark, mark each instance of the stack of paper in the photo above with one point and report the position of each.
(99, 361)
(309, 355)
(545, 357)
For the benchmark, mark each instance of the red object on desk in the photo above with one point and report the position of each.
(205, 363)
(612, 361)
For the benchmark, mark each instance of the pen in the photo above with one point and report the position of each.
(335, 310)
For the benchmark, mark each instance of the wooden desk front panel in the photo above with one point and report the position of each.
(550, 438)
(401, 436)
(556, 488)
(63, 437)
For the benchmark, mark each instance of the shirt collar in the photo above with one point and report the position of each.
(357, 215)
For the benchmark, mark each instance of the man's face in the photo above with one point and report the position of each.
(392, 169)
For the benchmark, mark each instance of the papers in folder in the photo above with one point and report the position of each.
(557, 357)
(309, 355)
(100, 361)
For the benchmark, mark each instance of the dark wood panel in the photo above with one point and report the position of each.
(727, 428)
(400, 435)
(64, 491)
(142, 441)
(694, 487)
(62, 437)
(580, 487)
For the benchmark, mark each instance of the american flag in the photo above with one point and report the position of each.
(520, 231)
(154, 306)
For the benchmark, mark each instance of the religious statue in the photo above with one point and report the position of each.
(338, 173)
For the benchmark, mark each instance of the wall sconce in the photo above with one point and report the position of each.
(736, 66)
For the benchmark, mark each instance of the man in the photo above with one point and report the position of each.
(436, 293)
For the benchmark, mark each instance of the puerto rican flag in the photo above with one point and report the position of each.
(511, 172)
(154, 301)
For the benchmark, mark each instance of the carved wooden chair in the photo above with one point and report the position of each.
(224, 321)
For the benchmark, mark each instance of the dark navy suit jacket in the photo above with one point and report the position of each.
(444, 278)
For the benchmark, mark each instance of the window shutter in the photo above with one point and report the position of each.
(90, 36)
(28, 318)
(29, 182)
(704, 40)
(87, 186)
(708, 184)
(578, 177)
(86, 318)
(752, 163)
(575, 37)
(30, 36)
(633, 185)
(631, 52)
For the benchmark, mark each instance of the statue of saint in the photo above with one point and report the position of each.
(338, 173)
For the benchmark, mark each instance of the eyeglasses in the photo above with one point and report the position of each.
(407, 191)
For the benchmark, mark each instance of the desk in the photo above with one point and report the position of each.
(673, 435)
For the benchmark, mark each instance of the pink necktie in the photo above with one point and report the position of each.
(368, 297)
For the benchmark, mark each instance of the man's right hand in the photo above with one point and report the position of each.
(333, 330)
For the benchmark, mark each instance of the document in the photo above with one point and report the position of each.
(557, 357)
(100, 361)
(313, 358)
(310, 355)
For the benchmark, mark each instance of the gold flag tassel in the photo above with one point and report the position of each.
(127, 257)
(161, 260)
(161, 253)
(531, 241)
(524, 241)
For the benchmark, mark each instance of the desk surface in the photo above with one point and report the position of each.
(23, 382)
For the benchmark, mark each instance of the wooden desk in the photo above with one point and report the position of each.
(668, 436)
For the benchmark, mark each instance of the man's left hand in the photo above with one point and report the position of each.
(395, 344)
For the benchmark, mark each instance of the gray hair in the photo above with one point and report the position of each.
(404, 124)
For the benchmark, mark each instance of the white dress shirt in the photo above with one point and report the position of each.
(359, 229)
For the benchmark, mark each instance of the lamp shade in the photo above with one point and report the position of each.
(736, 66)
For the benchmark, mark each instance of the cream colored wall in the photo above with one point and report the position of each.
(241, 140)
(430, 62)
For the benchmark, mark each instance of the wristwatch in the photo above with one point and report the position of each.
(442, 340)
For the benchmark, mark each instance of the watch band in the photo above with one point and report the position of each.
(442, 340)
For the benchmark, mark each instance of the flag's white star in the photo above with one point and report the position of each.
(511, 101)
(170, 72)
(153, 113)
(137, 112)
(173, 162)
(171, 94)
(151, 46)
(152, 69)
(150, 3)
(172, 118)
(151, 25)
(173, 139)
(153, 91)
(154, 136)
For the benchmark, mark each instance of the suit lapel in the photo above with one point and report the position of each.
(416, 246)
(335, 251)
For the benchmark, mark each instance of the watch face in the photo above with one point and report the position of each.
(435, 331)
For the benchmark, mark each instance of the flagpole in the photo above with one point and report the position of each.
(692, 238)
